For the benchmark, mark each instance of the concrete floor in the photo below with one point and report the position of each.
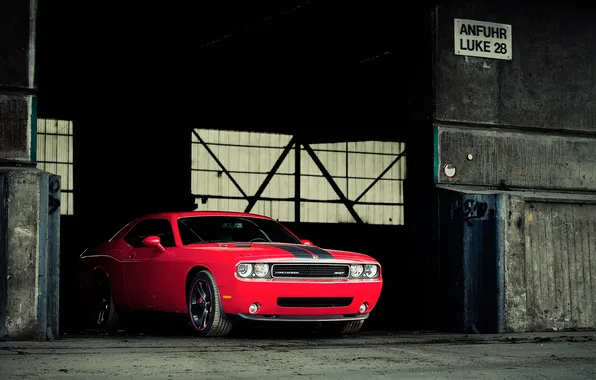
(368, 355)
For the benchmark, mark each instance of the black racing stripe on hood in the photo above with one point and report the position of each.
(299, 253)
(319, 252)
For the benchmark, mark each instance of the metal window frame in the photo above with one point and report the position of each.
(297, 146)
(64, 209)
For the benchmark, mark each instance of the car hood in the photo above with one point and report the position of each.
(289, 252)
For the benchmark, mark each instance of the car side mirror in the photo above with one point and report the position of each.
(154, 241)
(306, 242)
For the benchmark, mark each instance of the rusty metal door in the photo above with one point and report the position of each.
(472, 287)
(3, 260)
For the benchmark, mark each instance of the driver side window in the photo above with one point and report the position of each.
(151, 227)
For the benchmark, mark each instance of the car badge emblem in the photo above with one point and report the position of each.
(316, 257)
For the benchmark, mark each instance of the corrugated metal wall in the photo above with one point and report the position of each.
(250, 156)
(55, 155)
(3, 258)
(560, 247)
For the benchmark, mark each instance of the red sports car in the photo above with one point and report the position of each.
(219, 266)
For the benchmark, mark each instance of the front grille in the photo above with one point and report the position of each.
(314, 301)
(309, 271)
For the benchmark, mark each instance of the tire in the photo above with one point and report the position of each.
(103, 314)
(341, 328)
(351, 327)
(205, 311)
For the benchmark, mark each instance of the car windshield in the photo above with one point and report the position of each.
(216, 229)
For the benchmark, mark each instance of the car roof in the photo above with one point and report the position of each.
(187, 214)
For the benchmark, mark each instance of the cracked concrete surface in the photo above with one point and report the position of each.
(363, 356)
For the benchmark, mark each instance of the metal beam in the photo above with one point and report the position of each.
(280, 160)
(206, 197)
(399, 156)
(336, 188)
(223, 168)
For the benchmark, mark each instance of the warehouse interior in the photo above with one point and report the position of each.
(469, 177)
(134, 117)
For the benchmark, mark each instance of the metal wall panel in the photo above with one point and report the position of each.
(3, 260)
(560, 246)
(249, 157)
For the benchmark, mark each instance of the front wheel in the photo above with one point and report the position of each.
(334, 329)
(204, 307)
(351, 327)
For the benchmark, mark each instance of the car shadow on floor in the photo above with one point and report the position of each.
(149, 324)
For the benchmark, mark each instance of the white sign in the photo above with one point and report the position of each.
(482, 39)
(449, 170)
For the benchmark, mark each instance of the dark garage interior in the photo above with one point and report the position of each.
(136, 81)
(451, 142)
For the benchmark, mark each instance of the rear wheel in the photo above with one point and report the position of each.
(102, 309)
(204, 307)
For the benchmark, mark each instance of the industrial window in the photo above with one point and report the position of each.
(54, 155)
(342, 182)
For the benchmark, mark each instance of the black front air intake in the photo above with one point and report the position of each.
(314, 301)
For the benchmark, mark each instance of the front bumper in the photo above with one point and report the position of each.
(305, 318)
(302, 301)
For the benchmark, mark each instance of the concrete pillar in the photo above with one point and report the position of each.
(29, 228)
(30, 240)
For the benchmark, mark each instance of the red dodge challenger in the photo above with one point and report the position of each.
(219, 266)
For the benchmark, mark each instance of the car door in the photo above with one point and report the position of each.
(142, 264)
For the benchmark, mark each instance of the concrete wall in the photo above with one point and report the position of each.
(529, 122)
(15, 129)
(516, 159)
(17, 52)
(549, 83)
(523, 125)
(29, 233)
(17, 77)
(517, 260)
(550, 255)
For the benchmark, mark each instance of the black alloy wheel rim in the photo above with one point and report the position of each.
(201, 306)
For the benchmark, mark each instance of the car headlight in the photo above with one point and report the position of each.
(356, 270)
(364, 271)
(261, 270)
(253, 270)
(371, 271)
(244, 270)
